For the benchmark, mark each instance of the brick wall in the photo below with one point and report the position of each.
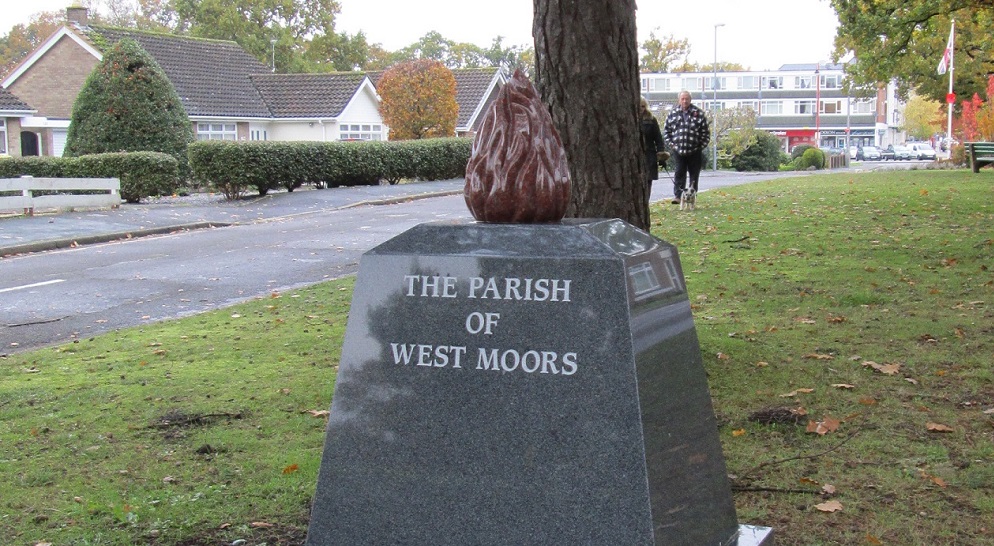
(52, 83)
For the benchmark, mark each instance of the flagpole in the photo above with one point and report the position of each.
(950, 105)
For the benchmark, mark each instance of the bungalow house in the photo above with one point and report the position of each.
(12, 111)
(223, 89)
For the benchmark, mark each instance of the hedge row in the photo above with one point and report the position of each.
(233, 167)
(142, 174)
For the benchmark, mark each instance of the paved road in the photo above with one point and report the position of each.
(273, 243)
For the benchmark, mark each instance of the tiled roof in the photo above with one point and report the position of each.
(308, 95)
(10, 102)
(471, 84)
(211, 77)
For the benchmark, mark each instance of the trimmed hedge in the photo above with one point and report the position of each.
(233, 167)
(142, 174)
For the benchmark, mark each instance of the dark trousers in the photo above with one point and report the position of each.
(687, 164)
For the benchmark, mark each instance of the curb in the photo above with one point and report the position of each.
(55, 244)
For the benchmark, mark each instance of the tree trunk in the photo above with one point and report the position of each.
(586, 70)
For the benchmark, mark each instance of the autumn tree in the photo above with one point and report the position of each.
(905, 39)
(586, 69)
(922, 117)
(127, 104)
(418, 100)
(662, 53)
(21, 39)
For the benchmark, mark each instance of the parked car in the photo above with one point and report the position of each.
(868, 153)
(852, 152)
(902, 152)
(922, 150)
(887, 154)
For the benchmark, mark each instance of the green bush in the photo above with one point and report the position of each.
(799, 150)
(764, 155)
(126, 105)
(142, 174)
(233, 167)
(813, 157)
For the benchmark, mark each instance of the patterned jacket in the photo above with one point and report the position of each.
(687, 132)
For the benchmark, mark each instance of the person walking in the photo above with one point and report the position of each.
(687, 132)
(652, 144)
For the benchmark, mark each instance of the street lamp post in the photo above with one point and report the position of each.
(714, 99)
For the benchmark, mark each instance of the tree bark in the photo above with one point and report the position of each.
(586, 57)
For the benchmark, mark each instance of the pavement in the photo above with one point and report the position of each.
(54, 229)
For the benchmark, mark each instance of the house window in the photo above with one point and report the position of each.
(3, 136)
(804, 107)
(693, 84)
(802, 82)
(748, 82)
(258, 134)
(831, 82)
(709, 85)
(750, 104)
(772, 82)
(831, 107)
(863, 107)
(216, 131)
(897, 117)
(363, 131)
(772, 107)
(712, 105)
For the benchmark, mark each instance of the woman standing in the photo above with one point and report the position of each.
(652, 144)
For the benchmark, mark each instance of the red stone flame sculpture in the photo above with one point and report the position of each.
(517, 172)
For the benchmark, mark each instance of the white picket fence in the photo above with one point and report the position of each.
(18, 194)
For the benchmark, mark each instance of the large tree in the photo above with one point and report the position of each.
(586, 54)
(905, 39)
(922, 117)
(418, 100)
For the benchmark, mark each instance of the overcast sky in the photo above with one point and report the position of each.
(758, 35)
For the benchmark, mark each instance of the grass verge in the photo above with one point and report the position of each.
(845, 322)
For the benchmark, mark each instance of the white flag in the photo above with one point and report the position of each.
(947, 55)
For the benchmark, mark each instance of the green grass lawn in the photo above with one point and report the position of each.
(846, 323)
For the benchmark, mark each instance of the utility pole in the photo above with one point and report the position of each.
(714, 99)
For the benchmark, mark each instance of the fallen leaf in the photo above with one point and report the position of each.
(291, 469)
(832, 319)
(723, 356)
(319, 413)
(887, 369)
(169, 479)
(808, 481)
(938, 481)
(824, 426)
(910, 380)
(828, 489)
(874, 541)
(235, 315)
(739, 432)
(260, 525)
(989, 411)
(795, 392)
(762, 364)
(846, 386)
(818, 356)
(938, 427)
(830, 506)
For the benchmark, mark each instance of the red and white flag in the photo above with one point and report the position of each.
(947, 55)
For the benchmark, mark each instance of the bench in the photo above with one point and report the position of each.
(981, 153)
(28, 193)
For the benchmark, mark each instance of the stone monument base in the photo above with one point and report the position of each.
(523, 384)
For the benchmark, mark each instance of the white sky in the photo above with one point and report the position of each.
(758, 35)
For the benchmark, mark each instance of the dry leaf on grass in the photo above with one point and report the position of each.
(846, 386)
(318, 413)
(795, 392)
(829, 506)
(938, 427)
(260, 525)
(739, 432)
(818, 356)
(824, 426)
(828, 489)
(886, 369)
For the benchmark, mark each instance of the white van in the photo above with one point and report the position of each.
(922, 150)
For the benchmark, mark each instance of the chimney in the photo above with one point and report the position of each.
(78, 15)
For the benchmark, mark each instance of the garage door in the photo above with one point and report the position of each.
(58, 141)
